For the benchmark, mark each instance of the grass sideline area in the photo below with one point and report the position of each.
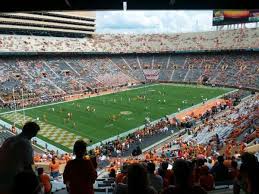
(105, 116)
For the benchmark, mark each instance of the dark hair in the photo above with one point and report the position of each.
(137, 179)
(26, 183)
(250, 166)
(164, 165)
(80, 148)
(151, 167)
(112, 173)
(220, 159)
(40, 171)
(30, 128)
(182, 171)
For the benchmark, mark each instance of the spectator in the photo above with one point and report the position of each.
(122, 176)
(249, 175)
(155, 180)
(54, 168)
(112, 173)
(137, 181)
(166, 174)
(16, 155)
(206, 179)
(220, 171)
(45, 180)
(80, 174)
(234, 172)
(26, 182)
(183, 180)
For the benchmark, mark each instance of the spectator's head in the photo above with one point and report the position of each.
(137, 179)
(151, 167)
(200, 162)
(248, 159)
(220, 159)
(183, 173)
(124, 168)
(112, 173)
(204, 170)
(26, 183)
(80, 148)
(164, 165)
(40, 171)
(30, 129)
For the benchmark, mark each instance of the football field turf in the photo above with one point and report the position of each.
(101, 117)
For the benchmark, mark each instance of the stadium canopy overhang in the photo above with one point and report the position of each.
(53, 5)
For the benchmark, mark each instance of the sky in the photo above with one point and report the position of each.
(153, 21)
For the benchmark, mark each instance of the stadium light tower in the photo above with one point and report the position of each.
(124, 5)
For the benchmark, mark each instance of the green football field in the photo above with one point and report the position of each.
(101, 117)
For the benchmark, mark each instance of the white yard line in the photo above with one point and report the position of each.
(124, 134)
(129, 131)
(55, 103)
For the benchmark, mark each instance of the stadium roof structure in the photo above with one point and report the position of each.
(70, 23)
(33, 5)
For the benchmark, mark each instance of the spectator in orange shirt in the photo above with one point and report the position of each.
(206, 179)
(45, 180)
(122, 176)
(234, 172)
(80, 174)
(54, 168)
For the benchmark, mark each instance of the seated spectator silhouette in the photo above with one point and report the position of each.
(54, 168)
(206, 179)
(249, 175)
(234, 172)
(183, 180)
(80, 174)
(112, 173)
(45, 180)
(154, 180)
(16, 155)
(220, 171)
(26, 182)
(122, 176)
(137, 181)
(166, 174)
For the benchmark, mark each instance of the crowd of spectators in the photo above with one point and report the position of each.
(133, 43)
(196, 161)
(33, 82)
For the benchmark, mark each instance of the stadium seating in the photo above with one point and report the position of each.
(214, 40)
(58, 76)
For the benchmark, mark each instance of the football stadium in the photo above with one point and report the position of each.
(160, 105)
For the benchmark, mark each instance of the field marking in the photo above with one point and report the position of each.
(124, 134)
(87, 97)
(64, 138)
(49, 131)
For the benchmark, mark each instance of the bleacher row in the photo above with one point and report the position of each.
(59, 76)
(214, 40)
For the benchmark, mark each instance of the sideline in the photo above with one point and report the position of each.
(67, 101)
(124, 134)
